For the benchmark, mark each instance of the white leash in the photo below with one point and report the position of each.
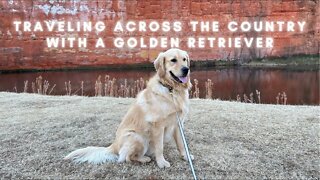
(185, 142)
(186, 148)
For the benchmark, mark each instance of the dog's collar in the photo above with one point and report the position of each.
(170, 88)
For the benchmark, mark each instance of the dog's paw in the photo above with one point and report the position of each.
(163, 163)
(185, 157)
(144, 159)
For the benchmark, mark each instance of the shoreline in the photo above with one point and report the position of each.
(133, 98)
(297, 61)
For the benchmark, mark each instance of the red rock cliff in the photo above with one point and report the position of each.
(28, 50)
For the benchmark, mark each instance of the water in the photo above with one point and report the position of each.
(300, 86)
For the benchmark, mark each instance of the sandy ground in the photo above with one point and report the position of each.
(228, 139)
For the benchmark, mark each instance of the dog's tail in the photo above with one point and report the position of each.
(93, 155)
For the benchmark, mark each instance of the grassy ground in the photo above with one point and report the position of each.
(229, 140)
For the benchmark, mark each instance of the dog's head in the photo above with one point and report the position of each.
(173, 66)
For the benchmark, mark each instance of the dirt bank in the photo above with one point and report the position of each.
(228, 139)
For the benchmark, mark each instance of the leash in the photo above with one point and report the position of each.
(185, 144)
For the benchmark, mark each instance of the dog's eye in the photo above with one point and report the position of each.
(184, 59)
(173, 60)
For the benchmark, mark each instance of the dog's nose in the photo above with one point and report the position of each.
(185, 71)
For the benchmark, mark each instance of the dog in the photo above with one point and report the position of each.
(151, 120)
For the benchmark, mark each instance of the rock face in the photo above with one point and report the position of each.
(28, 50)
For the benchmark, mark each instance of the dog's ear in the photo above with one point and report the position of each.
(159, 64)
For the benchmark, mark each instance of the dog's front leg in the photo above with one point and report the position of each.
(179, 143)
(158, 135)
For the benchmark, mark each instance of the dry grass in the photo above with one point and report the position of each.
(209, 89)
(195, 91)
(109, 86)
(40, 86)
(253, 98)
(230, 140)
(282, 98)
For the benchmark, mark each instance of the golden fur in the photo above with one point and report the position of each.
(151, 120)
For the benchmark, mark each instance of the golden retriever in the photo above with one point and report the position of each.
(151, 120)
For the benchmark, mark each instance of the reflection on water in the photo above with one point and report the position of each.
(301, 87)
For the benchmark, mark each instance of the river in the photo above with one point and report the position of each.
(300, 86)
